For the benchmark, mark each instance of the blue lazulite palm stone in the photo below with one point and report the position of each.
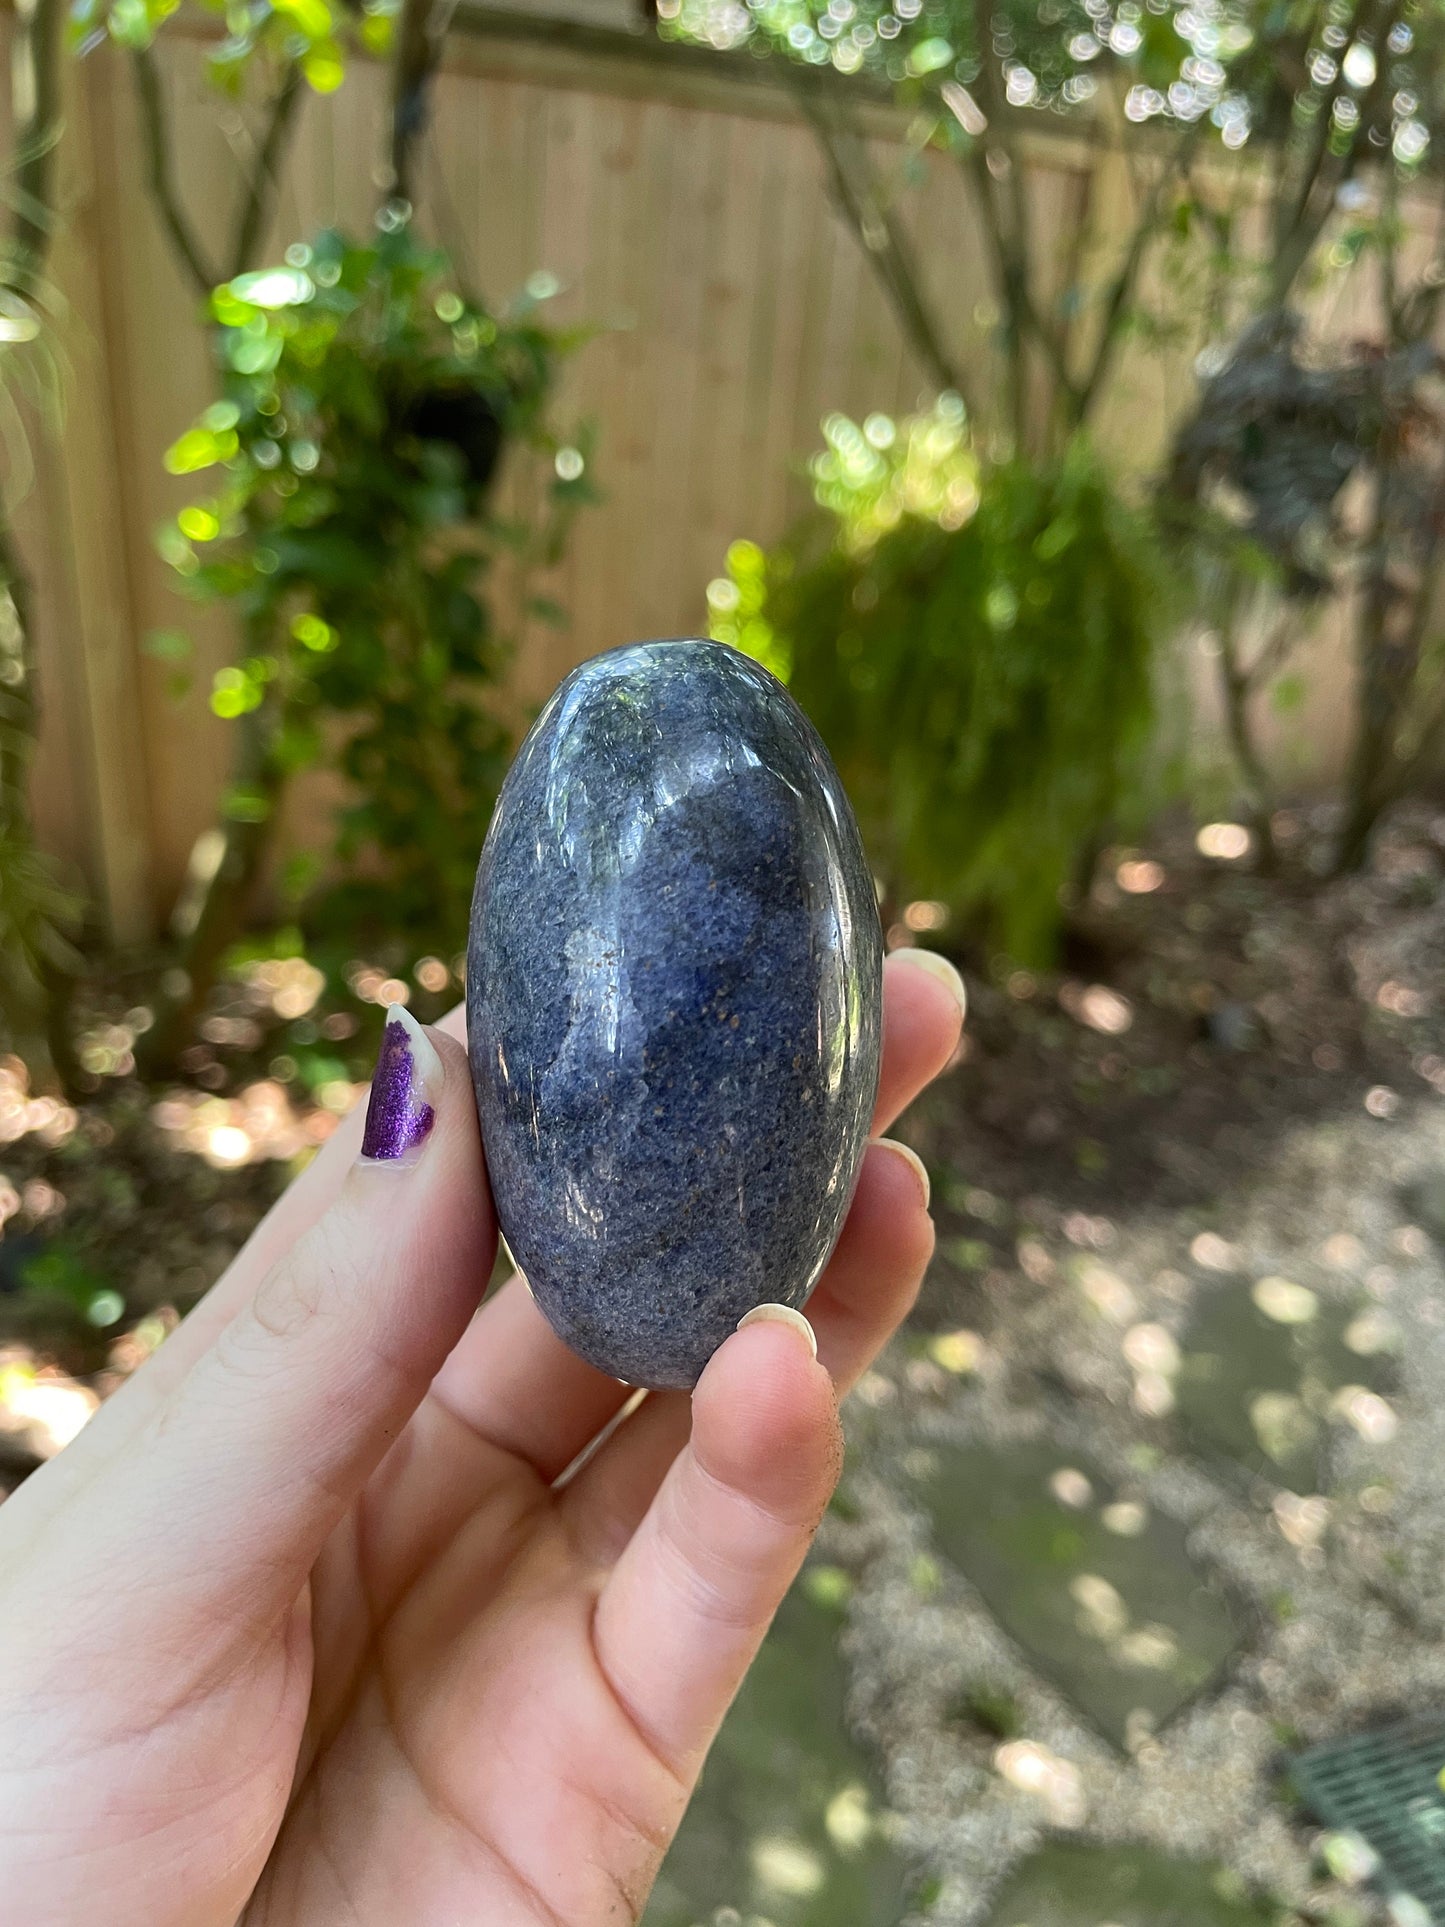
(674, 1005)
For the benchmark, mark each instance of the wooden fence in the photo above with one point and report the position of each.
(684, 210)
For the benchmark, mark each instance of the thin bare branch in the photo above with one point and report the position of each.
(1272, 652)
(1121, 290)
(421, 32)
(1237, 686)
(1001, 188)
(261, 182)
(155, 127)
(861, 200)
(1080, 224)
(1300, 226)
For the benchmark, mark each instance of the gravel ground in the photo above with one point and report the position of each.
(1108, 1153)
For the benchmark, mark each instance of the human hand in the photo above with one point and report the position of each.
(302, 1628)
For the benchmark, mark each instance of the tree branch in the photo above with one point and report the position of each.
(1288, 219)
(1116, 302)
(1238, 687)
(1297, 231)
(975, 161)
(996, 171)
(1273, 651)
(260, 187)
(156, 130)
(879, 233)
(1080, 224)
(421, 33)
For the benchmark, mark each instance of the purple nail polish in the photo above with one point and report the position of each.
(400, 1114)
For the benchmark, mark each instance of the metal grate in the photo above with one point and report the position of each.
(1386, 1787)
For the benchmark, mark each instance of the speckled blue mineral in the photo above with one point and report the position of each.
(674, 1005)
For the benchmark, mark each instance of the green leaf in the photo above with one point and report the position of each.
(377, 33)
(131, 23)
(198, 524)
(252, 354)
(284, 287)
(324, 67)
(314, 634)
(312, 18)
(61, 1272)
(1288, 694)
(200, 447)
(245, 804)
(234, 692)
(298, 746)
(975, 641)
(930, 55)
(546, 610)
(353, 552)
(168, 645)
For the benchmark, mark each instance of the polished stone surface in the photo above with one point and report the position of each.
(674, 1005)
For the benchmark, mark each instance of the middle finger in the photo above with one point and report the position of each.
(866, 1292)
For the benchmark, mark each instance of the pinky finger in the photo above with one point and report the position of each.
(686, 1606)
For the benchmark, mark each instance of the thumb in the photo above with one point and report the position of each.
(685, 1608)
(246, 1467)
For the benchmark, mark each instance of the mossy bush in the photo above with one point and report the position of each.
(976, 643)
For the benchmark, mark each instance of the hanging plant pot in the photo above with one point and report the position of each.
(465, 419)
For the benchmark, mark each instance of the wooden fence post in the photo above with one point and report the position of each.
(89, 645)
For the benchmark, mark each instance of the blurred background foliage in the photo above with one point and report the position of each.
(1253, 153)
(365, 406)
(975, 641)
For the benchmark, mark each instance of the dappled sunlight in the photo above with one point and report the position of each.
(41, 1407)
(1223, 842)
(1087, 408)
(262, 1121)
(959, 1352)
(21, 1113)
(290, 986)
(1034, 1768)
(1139, 876)
(1097, 1007)
(1284, 1301)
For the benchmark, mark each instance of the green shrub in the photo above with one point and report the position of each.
(365, 407)
(976, 645)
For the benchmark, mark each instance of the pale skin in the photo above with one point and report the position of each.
(303, 1630)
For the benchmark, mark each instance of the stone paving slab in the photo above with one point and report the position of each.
(1098, 1590)
(1070, 1884)
(1265, 1370)
(786, 1826)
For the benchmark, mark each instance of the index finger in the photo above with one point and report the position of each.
(303, 1203)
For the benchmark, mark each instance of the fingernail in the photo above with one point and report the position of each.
(782, 1315)
(911, 1158)
(938, 967)
(408, 1081)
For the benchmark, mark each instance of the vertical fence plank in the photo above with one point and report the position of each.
(87, 626)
